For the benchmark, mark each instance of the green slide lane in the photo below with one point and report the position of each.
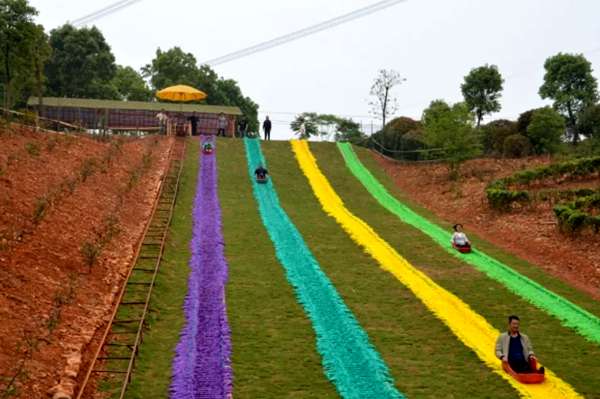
(571, 315)
(349, 359)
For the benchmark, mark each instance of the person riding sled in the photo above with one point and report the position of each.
(460, 240)
(207, 147)
(516, 350)
(261, 173)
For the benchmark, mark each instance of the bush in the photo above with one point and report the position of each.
(90, 252)
(400, 135)
(495, 133)
(516, 146)
(589, 122)
(577, 215)
(524, 120)
(546, 130)
(32, 149)
(501, 197)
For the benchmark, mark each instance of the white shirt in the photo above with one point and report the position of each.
(459, 238)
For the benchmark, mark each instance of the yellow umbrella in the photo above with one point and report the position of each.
(181, 93)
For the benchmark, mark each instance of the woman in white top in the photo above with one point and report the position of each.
(459, 238)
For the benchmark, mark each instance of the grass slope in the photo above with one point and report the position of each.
(274, 352)
(152, 374)
(424, 358)
(535, 273)
(575, 360)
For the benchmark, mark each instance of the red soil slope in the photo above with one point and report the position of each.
(529, 233)
(51, 301)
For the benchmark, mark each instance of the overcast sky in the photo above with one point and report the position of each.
(432, 43)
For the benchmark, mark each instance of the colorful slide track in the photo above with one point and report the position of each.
(350, 361)
(202, 365)
(571, 315)
(468, 326)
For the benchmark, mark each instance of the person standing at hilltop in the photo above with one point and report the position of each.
(267, 128)
(221, 124)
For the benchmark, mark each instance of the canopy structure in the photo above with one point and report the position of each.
(133, 115)
(181, 93)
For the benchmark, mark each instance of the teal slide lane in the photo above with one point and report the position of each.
(570, 315)
(349, 360)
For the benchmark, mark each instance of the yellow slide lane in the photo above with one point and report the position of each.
(471, 328)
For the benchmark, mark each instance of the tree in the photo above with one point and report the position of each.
(82, 64)
(310, 121)
(348, 130)
(451, 128)
(170, 68)
(589, 122)
(385, 104)
(17, 33)
(40, 53)
(545, 130)
(175, 66)
(130, 85)
(570, 83)
(495, 133)
(482, 90)
(524, 120)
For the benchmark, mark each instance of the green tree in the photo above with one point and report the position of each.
(495, 133)
(172, 67)
(570, 83)
(310, 122)
(40, 53)
(82, 64)
(175, 66)
(130, 85)
(385, 104)
(17, 35)
(348, 130)
(589, 122)
(451, 128)
(546, 130)
(482, 89)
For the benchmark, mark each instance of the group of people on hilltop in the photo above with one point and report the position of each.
(189, 125)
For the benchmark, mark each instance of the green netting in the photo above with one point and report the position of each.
(570, 315)
(349, 359)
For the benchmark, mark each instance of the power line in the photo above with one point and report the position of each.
(310, 30)
(103, 12)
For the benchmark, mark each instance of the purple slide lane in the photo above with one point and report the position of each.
(202, 362)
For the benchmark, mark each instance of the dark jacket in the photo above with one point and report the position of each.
(267, 125)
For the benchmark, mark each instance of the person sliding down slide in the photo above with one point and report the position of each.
(516, 352)
(207, 148)
(261, 174)
(460, 240)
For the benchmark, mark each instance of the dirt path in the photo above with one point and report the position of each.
(529, 233)
(51, 300)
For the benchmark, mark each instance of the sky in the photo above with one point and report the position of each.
(431, 43)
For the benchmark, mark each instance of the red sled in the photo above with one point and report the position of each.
(261, 180)
(526, 378)
(207, 151)
(465, 249)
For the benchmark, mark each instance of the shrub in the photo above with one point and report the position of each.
(41, 205)
(524, 120)
(32, 149)
(589, 122)
(87, 168)
(90, 252)
(495, 133)
(516, 146)
(546, 130)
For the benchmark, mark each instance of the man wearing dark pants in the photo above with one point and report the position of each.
(515, 348)
(267, 128)
(243, 126)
